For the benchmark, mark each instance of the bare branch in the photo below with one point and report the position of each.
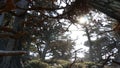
(41, 8)
(12, 53)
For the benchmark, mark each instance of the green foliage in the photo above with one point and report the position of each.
(58, 63)
(89, 64)
(61, 49)
(64, 63)
(36, 64)
(77, 65)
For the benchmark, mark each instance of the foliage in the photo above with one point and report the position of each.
(36, 64)
(35, 25)
(90, 63)
(101, 36)
(57, 61)
(62, 62)
(61, 49)
(78, 65)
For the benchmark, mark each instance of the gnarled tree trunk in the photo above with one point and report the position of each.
(11, 44)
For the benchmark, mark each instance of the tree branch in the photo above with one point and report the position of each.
(40, 8)
(116, 62)
(12, 53)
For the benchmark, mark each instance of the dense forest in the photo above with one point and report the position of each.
(33, 33)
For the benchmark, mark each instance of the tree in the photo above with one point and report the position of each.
(28, 17)
(49, 31)
(11, 38)
(61, 49)
(104, 43)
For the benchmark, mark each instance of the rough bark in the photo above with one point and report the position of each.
(9, 44)
(1, 18)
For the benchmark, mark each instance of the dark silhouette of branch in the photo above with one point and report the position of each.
(72, 64)
(40, 8)
(12, 53)
(108, 58)
(105, 32)
(15, 14)
(6, 29)
(74, 58)
(116, 62)
(18, 35)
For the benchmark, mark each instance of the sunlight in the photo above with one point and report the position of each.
(82, 20)
(77, 35)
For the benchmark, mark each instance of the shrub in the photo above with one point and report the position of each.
(58, 63)
(89, 64)
(36, 64)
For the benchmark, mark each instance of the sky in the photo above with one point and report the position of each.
(77, 35)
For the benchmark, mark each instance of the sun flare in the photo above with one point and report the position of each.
(82, 20)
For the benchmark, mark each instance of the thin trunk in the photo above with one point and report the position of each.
(90, 43)
(45, 51)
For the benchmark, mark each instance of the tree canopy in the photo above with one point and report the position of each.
(39, 26)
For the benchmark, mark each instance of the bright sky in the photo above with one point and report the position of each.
(77, 35)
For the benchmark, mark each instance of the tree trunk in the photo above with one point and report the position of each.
(13, 44)
(1, 18)
(45, 51)
(90, 43)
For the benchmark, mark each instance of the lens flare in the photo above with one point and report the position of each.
(82, 20)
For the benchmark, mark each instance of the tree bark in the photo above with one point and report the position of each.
(10, 44)
(11, 53)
